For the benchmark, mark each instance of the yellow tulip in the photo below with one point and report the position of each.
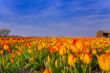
(78, 46)
(48, 59)
(62, 50)
(71, 60)
(104, 61)
(86, 58)
(94, 52)
(73, 48)
(30, 50)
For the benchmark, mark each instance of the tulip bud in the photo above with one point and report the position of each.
(56, 63)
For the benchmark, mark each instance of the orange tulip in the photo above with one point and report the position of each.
(5, 46)
(85, 47)
(104, 61)
(1, 52)
(71, 60)
(74, 41)
(78, 46)
(9, 50)
(52, 49)
(86, 58)
(47, 71)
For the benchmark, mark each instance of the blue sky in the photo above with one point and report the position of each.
(55, 17)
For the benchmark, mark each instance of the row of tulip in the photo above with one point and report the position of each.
(54, 55)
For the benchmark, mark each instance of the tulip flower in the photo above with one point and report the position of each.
(52, 49)
(104, 62)
(30, 50)
(94, 52)
(71, 60)
(86, 58)
(78, 46)
(62, 50)
(5, 46)
(47, 71)
(1, 52)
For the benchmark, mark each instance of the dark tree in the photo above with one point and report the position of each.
(4, 32)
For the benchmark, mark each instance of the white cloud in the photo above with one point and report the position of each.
(50, 21)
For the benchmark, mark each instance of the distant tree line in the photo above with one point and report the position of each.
(4, 32)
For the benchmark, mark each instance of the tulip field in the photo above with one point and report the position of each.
(54, 55)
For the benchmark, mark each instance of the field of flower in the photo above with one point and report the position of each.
(54, 55)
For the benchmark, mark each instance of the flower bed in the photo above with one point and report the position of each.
(54, 55)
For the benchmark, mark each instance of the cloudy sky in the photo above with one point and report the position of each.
(55, 17)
